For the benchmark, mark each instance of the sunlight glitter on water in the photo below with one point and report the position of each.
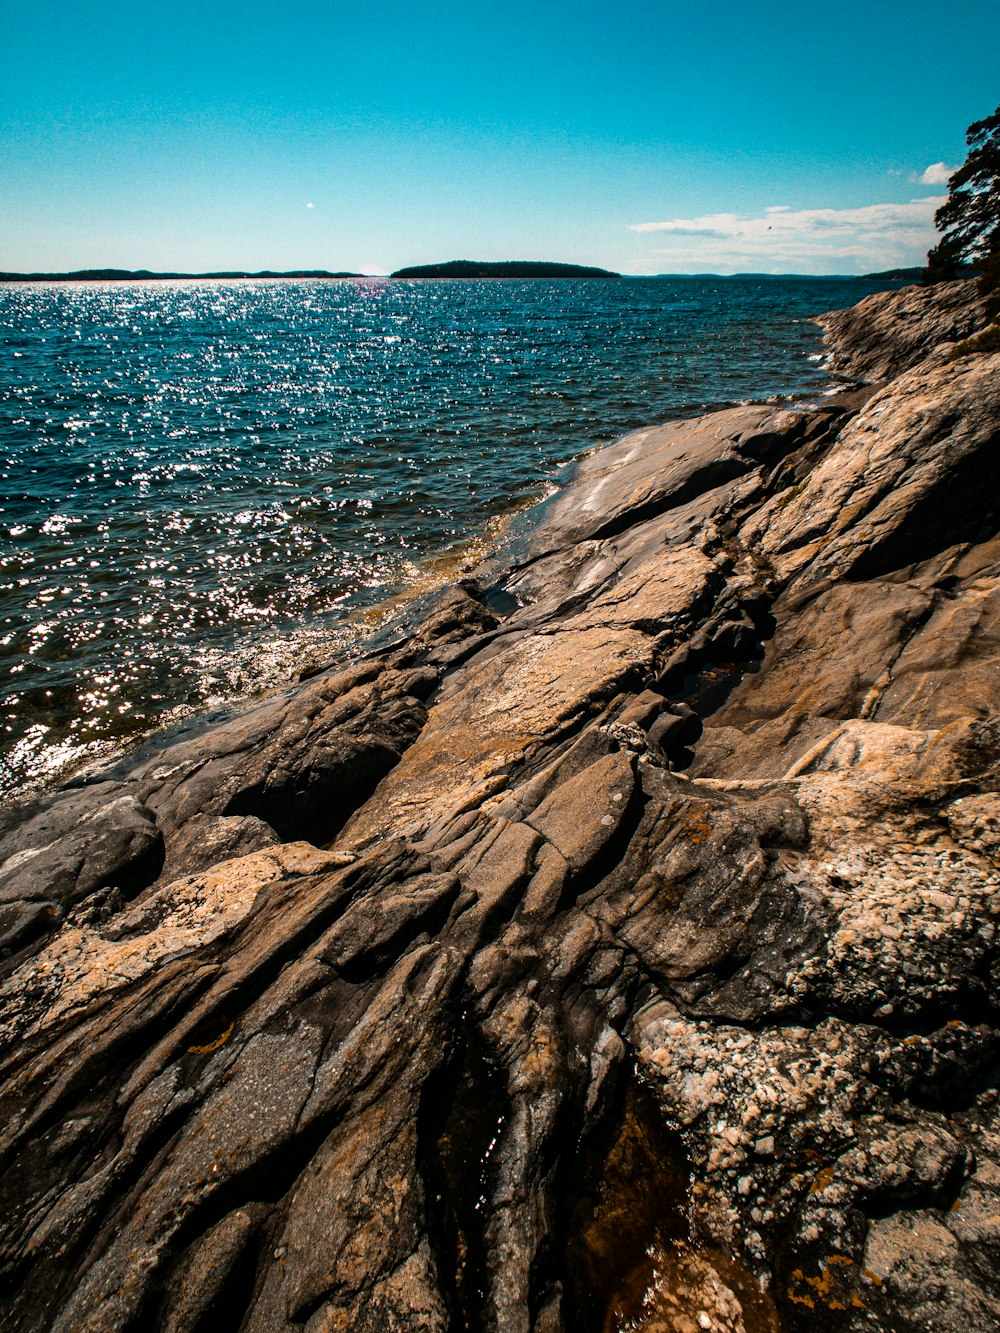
(203, 482)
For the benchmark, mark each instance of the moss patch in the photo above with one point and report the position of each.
(988, 340)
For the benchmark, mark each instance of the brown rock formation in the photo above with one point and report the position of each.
(623, 959)
(886, 334)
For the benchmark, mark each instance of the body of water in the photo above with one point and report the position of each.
(204, 483)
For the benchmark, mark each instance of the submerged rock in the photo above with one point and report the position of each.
(624, 961)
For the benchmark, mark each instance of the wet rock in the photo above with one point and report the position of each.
(76, 847)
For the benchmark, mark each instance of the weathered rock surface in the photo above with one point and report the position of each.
(886, 334)
(624, 959)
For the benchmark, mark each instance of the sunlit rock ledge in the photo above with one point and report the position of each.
(618, 952)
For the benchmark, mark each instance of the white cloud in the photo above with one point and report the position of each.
(812, 240)
(937, 174)
(310, 205)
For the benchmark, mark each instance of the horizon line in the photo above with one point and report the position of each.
(111, 273)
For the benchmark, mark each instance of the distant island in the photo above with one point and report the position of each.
(144, 275)
(468, 268)
(894, 274)
(454, 268)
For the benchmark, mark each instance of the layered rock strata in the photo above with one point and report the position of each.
(617, 951)
(888, 333)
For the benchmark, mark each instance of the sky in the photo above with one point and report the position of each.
(646, 136)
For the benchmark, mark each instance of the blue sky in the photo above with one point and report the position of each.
(647, 137)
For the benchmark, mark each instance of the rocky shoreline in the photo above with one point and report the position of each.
(617, 952)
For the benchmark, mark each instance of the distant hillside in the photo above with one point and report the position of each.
(467, 268)
(915, 274)
(898, 275)
(144, 275)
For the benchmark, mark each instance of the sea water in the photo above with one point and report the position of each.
(206, 484)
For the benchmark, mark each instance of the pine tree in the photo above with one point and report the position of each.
(970, 217)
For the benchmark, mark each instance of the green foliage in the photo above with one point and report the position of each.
(986, 341)
(969, 220)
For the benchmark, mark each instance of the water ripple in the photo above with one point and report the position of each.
(203, 482)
